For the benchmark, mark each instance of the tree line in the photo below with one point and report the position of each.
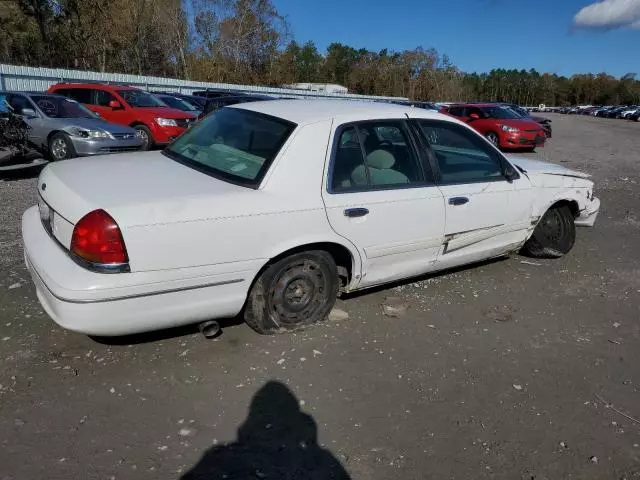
(250, 42)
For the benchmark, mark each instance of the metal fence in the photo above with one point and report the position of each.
(18, 78)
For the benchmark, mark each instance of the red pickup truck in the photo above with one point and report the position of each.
(157, 123)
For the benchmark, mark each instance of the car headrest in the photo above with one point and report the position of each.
(380, 159)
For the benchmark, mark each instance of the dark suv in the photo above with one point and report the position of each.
(214, 104)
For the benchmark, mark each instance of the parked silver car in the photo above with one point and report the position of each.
(64, 128)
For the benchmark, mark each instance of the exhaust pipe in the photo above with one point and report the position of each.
(209, 329)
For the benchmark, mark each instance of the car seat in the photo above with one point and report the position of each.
(379, 163)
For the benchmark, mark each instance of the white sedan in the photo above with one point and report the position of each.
(271, 209)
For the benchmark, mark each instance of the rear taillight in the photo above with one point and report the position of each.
(97, 239)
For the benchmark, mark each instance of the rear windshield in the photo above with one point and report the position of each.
(233, 144)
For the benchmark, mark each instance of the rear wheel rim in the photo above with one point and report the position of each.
(59, 149)
(298, 291)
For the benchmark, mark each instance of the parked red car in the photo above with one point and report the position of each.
(499, 124)
(157, 123)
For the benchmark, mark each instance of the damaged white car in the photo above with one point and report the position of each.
(270, 209)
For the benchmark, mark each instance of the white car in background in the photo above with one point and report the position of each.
(270, 209)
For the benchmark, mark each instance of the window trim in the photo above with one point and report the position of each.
(94, 97)
(427, 157)
(339, 130)
(254, 183)
(502, 160)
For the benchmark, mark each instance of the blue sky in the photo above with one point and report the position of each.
(479, 35)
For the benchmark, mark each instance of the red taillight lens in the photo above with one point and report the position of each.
(97, 239)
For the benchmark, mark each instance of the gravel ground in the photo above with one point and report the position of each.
(514, 369)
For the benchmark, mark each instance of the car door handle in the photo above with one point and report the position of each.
(455, 201)
(356, 212)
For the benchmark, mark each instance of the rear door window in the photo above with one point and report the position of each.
(82, 95)
(473, 111)
(374, 155)
(101, 98)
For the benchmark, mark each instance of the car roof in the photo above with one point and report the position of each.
(95, 85)
(475, 105)
(310, 111)
(244, 97)
(29, 94)
(181, 95)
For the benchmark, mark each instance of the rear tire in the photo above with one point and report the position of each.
(554, 236)
(292, 293)
(148, 143)
(60, 147)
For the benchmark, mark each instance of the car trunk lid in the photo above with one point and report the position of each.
(135, 189)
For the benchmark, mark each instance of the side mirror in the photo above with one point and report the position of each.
(510, 172)
(114, 104)
(29, 113)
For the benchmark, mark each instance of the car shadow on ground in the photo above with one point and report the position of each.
(277, 440)
(158, 335)
(183, 331)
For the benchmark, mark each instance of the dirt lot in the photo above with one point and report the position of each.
(513, 369)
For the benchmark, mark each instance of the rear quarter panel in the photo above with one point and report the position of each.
(250, 227)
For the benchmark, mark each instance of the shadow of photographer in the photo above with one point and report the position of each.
(276, 441)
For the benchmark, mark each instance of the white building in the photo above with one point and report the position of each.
(320, 87)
